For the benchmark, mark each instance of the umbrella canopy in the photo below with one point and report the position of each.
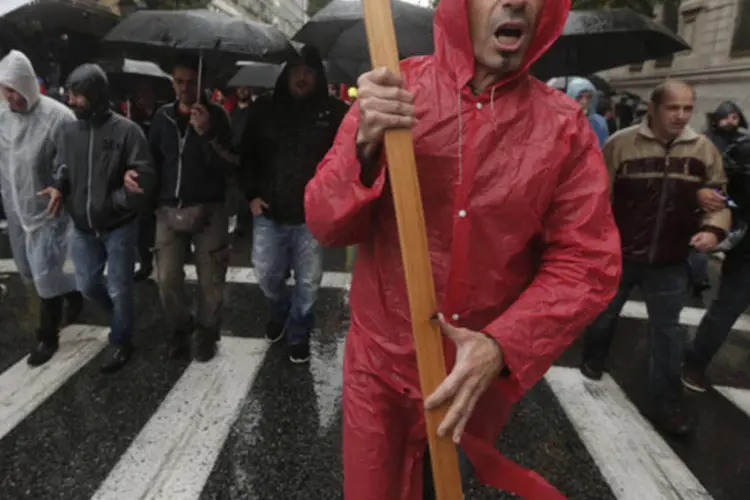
(80, 16)
(162, 34)
(256, 75)
(603, 39)
(338, 31)
(124, 75)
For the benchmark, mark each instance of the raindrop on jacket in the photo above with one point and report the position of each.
(521, 239)
(39, 242)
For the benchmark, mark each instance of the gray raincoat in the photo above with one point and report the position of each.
(39, 242)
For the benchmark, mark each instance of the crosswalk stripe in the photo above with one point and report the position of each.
(739, 397)
(173, 455)
(633, 458)
(239, 275)
(23, 388)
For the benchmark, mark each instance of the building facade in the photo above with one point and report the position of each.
(287, 15)
(718, 66)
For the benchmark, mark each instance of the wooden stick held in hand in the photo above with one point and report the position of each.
(399, 148)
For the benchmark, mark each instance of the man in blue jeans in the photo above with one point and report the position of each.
(659, 171)
(103, 166)
(286, 135)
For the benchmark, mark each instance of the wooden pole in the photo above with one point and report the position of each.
(381, 38)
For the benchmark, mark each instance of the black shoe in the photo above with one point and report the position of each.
(592, 369)
(674, 420)
(42, 353)
(179, 344)
(143, 274)
(204, 346)
(274, 331)
(73, 308)
(115, 358)
(299, 353)
(694, 378)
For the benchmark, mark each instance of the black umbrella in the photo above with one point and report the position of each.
(162, 34)
(338, 31)
(256, 75)
(124, 73)
(603, 39)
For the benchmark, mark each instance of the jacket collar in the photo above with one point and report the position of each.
(688, 134)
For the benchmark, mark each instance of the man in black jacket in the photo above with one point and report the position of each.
(728, 131)
(286, 136)
(95, 155)
(191, 145)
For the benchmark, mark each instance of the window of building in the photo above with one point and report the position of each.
(741, 38)
(689, 22)
(670, 18)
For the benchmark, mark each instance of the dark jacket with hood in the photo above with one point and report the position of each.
(191, 169)
(285, 139)
(734, 146)
(93, 155)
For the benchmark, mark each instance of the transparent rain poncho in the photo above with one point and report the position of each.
(39, 241)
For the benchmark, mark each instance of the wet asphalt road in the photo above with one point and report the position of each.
(283, 437)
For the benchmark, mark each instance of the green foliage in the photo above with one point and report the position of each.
(313, 6)
(176, 4)
(645, 7)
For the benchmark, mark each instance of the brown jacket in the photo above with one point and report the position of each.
(654, 192)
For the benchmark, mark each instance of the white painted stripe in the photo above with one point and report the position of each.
(633, 458)
(172, 457)
(739, 397)
(690, 316)
(241, 275)
(23, 388)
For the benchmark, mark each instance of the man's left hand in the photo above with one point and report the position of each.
(200, 119)
(704, 241)
(479, 361)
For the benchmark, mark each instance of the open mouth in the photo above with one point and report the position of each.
(509, 35)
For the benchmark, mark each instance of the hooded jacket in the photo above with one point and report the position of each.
(93, 155)
(39, 241)
(191, 168)
(723, 138)
(285, 139)
(522, 244)
(576, 86)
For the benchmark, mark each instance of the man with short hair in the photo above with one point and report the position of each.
(191, 143)
(95, 157)
(287, 135)
(658, 170)
(28, 122)
(523, 246)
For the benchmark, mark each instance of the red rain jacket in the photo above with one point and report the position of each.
(522, 242)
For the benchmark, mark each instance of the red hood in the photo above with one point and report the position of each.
(453, 45)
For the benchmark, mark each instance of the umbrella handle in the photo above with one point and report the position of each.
(399, 148)
(200, 77)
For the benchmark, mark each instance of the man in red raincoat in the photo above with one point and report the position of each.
(523, 246)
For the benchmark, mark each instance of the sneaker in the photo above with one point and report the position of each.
(694, 378)
(115, 358)
(674, 420)
(204, 345)
(299, 353)
(42, 353)
(274, 332)
(592, 369)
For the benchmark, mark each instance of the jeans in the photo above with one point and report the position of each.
(116, 250)
(698, 266)
(732, 300)
(663, 289)
(277, 248)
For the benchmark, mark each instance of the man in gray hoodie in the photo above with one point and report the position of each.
(39, 242)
